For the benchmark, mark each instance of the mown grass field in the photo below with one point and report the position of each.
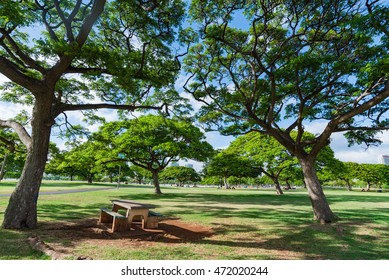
(247, 224)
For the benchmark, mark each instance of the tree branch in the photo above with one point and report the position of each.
(376, 23)
(10, 144)
(80, 107)
(15, 74)
(333, 125)
(363, 107)
(66, 60)
(22, 55)
(364, 128)
(20, 130)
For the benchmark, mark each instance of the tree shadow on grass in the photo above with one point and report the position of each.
(313, 241)
(14, 246)
(376, 215)
(358, 197)
(63, 212)
(238, 219)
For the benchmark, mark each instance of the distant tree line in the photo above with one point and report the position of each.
(257, 159)
(253, 159)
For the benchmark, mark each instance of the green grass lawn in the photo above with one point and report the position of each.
(247, 224)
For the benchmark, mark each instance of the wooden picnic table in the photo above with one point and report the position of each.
(133, 209)
(123, 222)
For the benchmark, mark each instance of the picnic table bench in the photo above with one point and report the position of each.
(119, 222)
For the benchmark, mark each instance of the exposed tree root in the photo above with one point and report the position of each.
(39, 245)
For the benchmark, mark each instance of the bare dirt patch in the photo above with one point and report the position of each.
(58, 239)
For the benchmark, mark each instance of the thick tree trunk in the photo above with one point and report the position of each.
(22, 208)
(321, 208)
(157, 188)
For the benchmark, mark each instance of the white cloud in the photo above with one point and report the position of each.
(3, 79)
(359, 153)
(355, 153)
(8, 111)
(316, 127)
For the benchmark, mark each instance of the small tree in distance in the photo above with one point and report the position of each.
(180, 174)
(228, 164)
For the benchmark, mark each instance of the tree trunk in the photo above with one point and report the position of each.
(274, 177)
(2, 170)
(89, 178)
(157, 189)
(22, 207)
(277, 185)
(289, 187)
(349, 186)
(321, 208)
(226, 182)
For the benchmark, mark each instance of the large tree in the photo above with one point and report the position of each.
(278, 66)
(56, 52)
(152, 142)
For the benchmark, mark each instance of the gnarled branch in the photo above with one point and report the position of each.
(20, 131)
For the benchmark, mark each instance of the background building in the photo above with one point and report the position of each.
(384, 159)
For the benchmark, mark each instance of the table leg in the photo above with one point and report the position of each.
(115, 207)
(137, 212)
